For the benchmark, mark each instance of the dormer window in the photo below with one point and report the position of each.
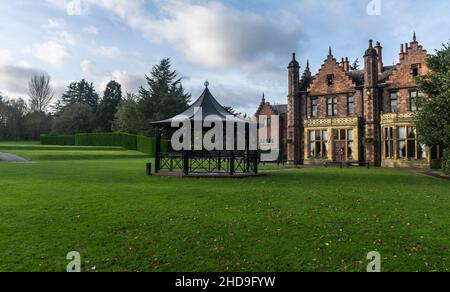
(415, 70)
(330, 80)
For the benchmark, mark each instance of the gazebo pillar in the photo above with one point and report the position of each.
(158, 150)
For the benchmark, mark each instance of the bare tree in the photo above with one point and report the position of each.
(40, 92)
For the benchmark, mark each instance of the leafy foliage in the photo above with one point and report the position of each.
(75, 118)
(434, 120)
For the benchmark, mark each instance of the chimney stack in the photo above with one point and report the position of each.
(341, 64)
(379, 50)
(346, 65)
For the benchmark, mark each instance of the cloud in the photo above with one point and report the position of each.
(211, 34)
(109, 52)
(14, 79)
(52, 53)
(130, 83)
(87, 66)
(54, 24)
(91, 30)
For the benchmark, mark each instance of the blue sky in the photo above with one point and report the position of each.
(241, 46)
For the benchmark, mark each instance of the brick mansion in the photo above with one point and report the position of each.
(356, 116)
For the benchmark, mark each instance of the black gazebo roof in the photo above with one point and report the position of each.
(209, 106)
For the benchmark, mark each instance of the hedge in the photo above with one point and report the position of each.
(66, 140)
(126, 141)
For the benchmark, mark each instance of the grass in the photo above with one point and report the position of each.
(100, 203)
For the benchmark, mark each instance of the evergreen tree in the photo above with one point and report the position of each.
(164, 96)
(355, 65)
(434, 119)
(81, 92)
(108, 106)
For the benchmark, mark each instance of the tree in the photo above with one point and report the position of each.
(81, 92)
(75, 118)
(355, 65)
(35, 124)
(40, 92)
(108, 106)
(433, 123)
(12, 113)
(129, 118)
(164, 96)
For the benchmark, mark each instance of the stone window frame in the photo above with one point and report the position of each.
(314, 106)
(412, 105)
(333, 104)
(352, 103)
(406, 140)
(314, 140)
(391, 93)
(330, 80)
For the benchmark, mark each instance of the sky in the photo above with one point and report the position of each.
(242, 47)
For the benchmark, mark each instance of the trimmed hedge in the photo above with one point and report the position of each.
(65, 140)
(126, 141)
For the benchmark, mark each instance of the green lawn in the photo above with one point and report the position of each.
(98, 201)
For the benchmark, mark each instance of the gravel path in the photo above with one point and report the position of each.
(12, 158)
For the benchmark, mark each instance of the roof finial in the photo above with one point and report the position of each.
(206, 83)
(414, 37)
(264, 97)
(293, 56)
(370, 44)
(307, 64)
(330, 53)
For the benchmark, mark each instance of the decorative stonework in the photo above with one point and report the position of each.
(393, 118)
(332, 122)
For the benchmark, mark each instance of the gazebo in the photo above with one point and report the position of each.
(232, 161)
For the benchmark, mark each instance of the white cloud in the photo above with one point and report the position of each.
(54, 24)
(87, 66)
(130, 83)
(91, 30)
(52, 53)
(110, 52)
(210, 34)
(76, 8)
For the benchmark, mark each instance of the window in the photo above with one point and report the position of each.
(411, 138)
(330, 80)
(408, 144)
(389, 141)
(269, 122)
(318, 144)
(415, 68)
(413, 96)
(314, 106)
(347, 136)
(394, 102)
(332, 106)
(351, 105)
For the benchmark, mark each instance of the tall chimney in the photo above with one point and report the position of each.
(379, 50)
(402, 51)
(341, 64)
(346, 65)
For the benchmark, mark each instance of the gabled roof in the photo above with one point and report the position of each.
(209, 107)
(280, 109)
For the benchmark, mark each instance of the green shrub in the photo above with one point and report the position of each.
(146, 145)
(66, 140)
(446, 161)
(126, 141)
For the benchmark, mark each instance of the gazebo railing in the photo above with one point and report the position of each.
(198, 162)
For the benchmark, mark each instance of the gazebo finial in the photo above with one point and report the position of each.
(206, 83)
